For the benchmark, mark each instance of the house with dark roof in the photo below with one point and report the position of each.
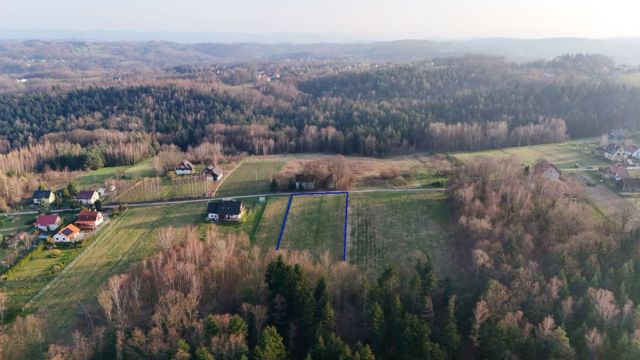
(616, 172)
(68, 234)
(185, 168)
(547, 169)
(43, 197)
(212, 173)
(87, 197)
(629, 184)
(613, 152)
(225, 210)
(89, 220)
(305, 182)
(48, 222)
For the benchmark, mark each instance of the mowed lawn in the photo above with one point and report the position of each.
(316, 223)
(563, 155)
(127, 240)
(252, 176)
(97, 178)
(388, 229)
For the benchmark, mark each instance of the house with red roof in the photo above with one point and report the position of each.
(89, 220)
(616, 172)
(48, 222)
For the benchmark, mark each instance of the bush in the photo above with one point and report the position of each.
(55, 253)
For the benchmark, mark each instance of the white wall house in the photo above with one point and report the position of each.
(87, 197)
(43, 197)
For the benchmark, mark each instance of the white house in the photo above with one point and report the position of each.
(547, 170)
(43, 197)
(68, 234)
(48, 222)
(212, 173)
(87, 197)
(186, 168)
(614, 152)
(225, 210)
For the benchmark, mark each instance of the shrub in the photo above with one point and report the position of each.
(55, 253)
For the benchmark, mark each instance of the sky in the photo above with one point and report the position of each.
(353, 19)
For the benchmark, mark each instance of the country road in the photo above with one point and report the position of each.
(187, 201)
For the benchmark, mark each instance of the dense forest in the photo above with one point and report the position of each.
(375, 111)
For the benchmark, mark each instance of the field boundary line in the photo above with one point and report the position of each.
(346, 217)
(39, 294)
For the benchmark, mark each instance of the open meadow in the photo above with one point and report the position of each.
(388, 228)
(563, 155)
(252, 176)
(316, 224)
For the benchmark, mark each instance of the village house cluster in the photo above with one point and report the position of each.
(209, 173)
(625, 155)
(85, 220)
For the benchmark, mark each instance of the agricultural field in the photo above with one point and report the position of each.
(96, 178)
(252, 176)
(128, 239)
(33, 276)
(632, 79)
(316, 223)
(388, 228)
(267, 228)
(564, 155)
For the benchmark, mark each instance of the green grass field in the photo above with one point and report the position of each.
(388, 228)
(32, 277)
(316, 223)
(564, 155)
(10, 225)
(252, 176)
(97, 178)
(125, 241)
(632, 79)
(268, 225)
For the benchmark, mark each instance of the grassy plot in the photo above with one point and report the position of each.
(33, 276)
(387, 228)
(97, 178)
(564, 155)
(267, 226)
(316, 224)
(12, 224)
(127, 239)
(252, 176)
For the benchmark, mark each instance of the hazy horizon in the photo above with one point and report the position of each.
(331, 20)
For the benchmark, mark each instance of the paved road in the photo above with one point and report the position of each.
(187, 201)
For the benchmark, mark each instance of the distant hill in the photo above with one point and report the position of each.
(25, 56)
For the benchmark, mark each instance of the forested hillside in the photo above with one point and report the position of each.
(479, 102)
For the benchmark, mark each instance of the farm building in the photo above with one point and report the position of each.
(185, 168)
(225, 210)
(87, 197)
(68, 234)
(547, 169)
(629, 184)
(305, 182)
(616, 172)
(89, 219)
(212, 173)
(48, 222)
(43, 197)
(613, 152)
